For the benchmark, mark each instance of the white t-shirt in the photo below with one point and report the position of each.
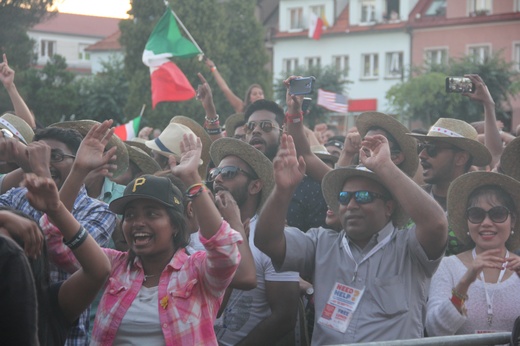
(245, 309)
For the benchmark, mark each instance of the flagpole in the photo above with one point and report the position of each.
(142, 110)
(184, 28)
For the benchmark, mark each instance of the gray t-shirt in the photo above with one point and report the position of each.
(396, 279)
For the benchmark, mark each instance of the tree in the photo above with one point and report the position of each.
(327, 78)
(234, 42)
(423, 96)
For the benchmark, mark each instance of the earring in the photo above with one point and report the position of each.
(512, 232)
(467, 233)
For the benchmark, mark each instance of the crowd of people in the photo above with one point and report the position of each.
(263, 232)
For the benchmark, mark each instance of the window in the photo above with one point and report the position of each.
(341, 64)
(290, 64)
(480, 7)
(47, 48)
(318, 10)
(368, 11)
(437, 8)
(394, 65)
(82, 55)
(392, 10)
(479, 53)
(370, 65)
(516, 56)
(312, 62)
(296, 18)
(436, 56)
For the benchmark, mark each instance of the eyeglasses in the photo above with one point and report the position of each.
(432, 149)
(361, 197)
(228, 173)
(496, 214)
(266, 126)
(58, 156)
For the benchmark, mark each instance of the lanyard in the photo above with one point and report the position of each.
(489, 299)
(367, 256)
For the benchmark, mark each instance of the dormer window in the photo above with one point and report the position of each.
(368, 11)
(480, 7)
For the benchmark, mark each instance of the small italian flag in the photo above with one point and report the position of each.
(165, 42)
(129, 130)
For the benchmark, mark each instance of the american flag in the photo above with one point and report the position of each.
(332, 101)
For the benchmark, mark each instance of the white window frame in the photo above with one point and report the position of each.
(516, 55)
(394, 65)
(438, 51)
(290, 64)
(318, 10)
(44, 48)
(312, 61)
(476, 6)
(373, 60)
(481, 53)
(341, 63)
(371, 16)
(295, 25)
(82, 55)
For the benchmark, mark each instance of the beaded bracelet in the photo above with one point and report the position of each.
(195, 190)
(212, 121)
(78, 239)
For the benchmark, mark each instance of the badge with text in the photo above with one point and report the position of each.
(342, 303)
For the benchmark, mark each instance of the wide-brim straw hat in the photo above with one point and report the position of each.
(231, 123)
(142, 160)
(457, 203)
(510, 159)
(322, 152)
(140, 143)
(17, 126)
(84, 126)
(460, 134)
(204, 137)
(388, 123)
(334, 180)
(169, 141)
(260, 164)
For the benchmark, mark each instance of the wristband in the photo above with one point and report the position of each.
(78, 239)
(294, 118)
(195, 190)
(212, 121)
(216, 131)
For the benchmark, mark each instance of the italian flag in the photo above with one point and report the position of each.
(129, 130)
(165, 42)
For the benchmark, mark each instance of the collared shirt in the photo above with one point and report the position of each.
(396, 280)
(190, 289)
(110, 191)
(94, 216)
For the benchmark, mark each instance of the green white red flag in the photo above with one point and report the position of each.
(129, 130)
(165, 42)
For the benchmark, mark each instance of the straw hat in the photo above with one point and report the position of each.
(142, 160)
(202, 134)
(140, 143)
(169, 141)
(407, 144)
(260, 164)
(17, 126)
(323, 154)
(84, 126)
(510, 159)
(231, 123)
(457, 202)
(333, 183)
(460, 134)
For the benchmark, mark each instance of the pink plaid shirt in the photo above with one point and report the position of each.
(190, 290)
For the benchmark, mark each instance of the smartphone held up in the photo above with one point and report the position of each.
(301, 85)
(459, 85)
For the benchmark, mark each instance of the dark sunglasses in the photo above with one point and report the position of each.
(227, 173)
(497, 214)
(266, 126)
(58, 156)
(361, 197)
(433, 149)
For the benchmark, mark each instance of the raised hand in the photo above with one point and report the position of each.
(228, 207)
(375, 152)
(187, 169)
(289, 170)
(91, 153)
(42, 193)
(6, 73)
(23, 229)
(294, 102)
(481, 93)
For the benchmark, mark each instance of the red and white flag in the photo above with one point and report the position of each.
(315, 26)
(129, 130)
(332, 101)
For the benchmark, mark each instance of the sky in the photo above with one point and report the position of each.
(102, 8)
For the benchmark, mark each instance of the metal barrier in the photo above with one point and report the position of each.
(452, 340)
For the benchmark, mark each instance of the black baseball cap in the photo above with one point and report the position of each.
(159, 189)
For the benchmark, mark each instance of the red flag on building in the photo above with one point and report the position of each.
(315, 26)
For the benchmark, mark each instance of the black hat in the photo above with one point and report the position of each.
(148, 186)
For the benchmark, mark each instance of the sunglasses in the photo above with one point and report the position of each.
(361, 197)
(497, 214)
(266, 126)
(58, 156)
(228, 173)
(433, 149)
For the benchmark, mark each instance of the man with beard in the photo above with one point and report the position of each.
(265, 314)
(264, 121)
(52, 154)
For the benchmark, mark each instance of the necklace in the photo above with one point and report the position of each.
(149, 276)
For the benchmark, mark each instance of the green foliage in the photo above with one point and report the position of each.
(423, 96)
(234, 42)
(327, 78)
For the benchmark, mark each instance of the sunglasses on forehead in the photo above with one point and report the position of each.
(361, 197)
(497, 214)
(433, 149)
(266, 126)
(228, 173)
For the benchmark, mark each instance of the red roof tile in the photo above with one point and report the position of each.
(109, 43)
(76, 24)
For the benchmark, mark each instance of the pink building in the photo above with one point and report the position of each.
(442, 29)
